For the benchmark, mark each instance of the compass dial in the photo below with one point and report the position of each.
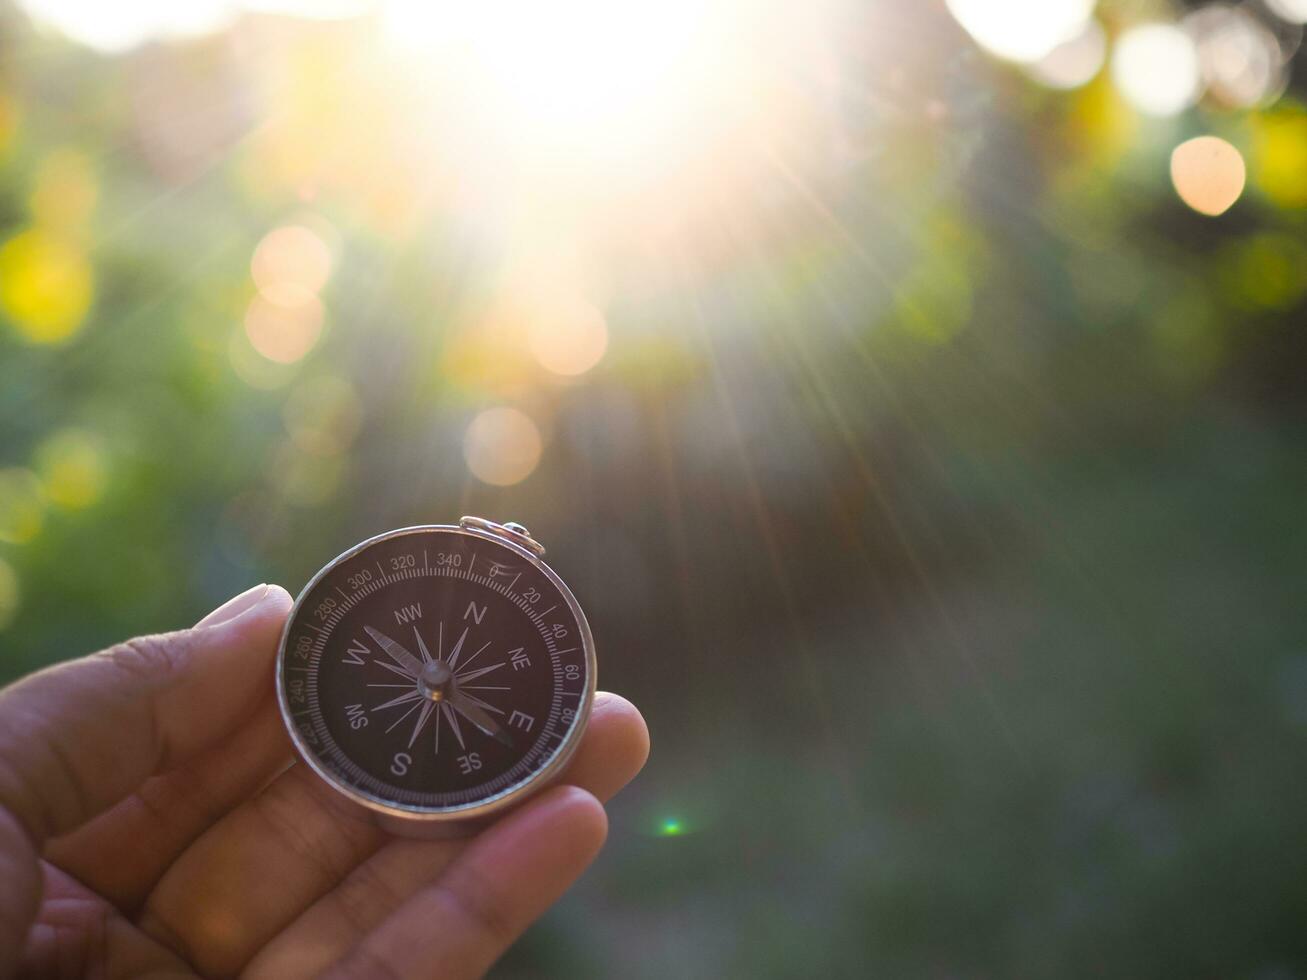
(436, 671)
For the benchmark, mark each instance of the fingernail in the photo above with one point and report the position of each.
(235, 606)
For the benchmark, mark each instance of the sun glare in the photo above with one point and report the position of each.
(592, 73)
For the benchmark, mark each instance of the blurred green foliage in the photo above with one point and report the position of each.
(939, 499)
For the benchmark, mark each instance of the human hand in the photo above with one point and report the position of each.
(149, 823)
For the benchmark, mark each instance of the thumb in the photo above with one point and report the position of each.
(78, 737)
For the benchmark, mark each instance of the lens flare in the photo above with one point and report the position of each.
(671, 827)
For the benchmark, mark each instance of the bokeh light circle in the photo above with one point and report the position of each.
(285, 326)
(1240, 59)
(1155, 67)
(1293, 11)
(1021, 30)
(1208, 174)
(46, 286)
(569, 341)
(73, 468)
(502, 446)
(291, 255)
(1074, 62)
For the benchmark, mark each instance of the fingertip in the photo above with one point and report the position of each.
(263, 616)
(585, 813)
(614, 749)
(627, 725)
(569, 817)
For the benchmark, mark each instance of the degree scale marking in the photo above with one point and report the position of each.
(531, 760)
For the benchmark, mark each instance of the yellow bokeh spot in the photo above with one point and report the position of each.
(45, 286)
(72, 465)
(934, 302)
(1100, 128)
(1280, 155)
(22, 505)
(65, 190)
(10, 596)
(1266, 271)
(8, 121)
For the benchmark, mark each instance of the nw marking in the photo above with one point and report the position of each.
(408, 613)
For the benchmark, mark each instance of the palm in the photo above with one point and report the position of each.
(233, 863)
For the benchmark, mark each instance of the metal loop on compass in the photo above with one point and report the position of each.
(510, 531)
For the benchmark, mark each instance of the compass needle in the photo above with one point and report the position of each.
(472, 709)
(411, 695)
(480, 672)
(427, 708)
(396, 669)
(395, 724)
(458, 646)
(475, 655)
(452, 718)
(376, 604)
(422, 647)
(463, 695)
(394, 651)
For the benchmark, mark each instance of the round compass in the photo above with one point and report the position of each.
(438, 674)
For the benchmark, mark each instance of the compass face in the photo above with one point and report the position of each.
(434, 670)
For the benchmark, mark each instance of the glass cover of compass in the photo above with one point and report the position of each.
(437, 674)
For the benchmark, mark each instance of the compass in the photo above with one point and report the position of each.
(437, 675)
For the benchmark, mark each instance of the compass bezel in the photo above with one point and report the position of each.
(408, 818)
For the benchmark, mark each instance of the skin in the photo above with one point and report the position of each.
(152, 822)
